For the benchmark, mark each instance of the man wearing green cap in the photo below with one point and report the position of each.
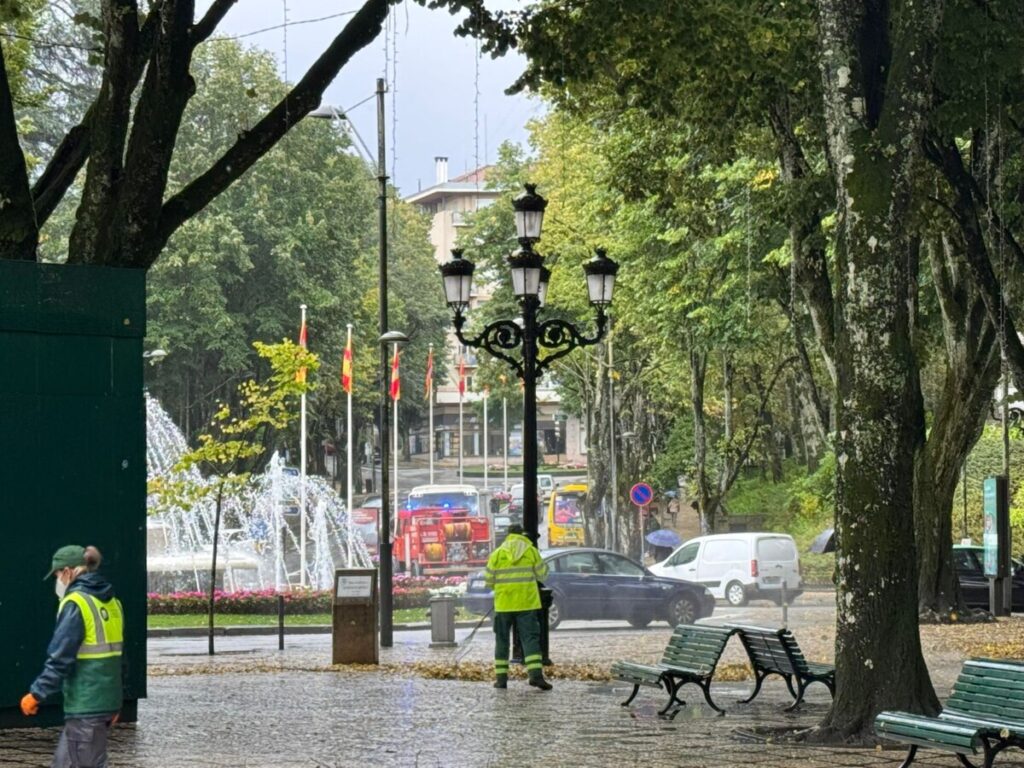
(83, 659)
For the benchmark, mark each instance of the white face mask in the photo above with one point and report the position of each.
(60, 588)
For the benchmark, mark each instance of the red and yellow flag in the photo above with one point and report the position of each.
(462, 375)
(396, 383)
(429, 382)
(300, 375)
(346, 367)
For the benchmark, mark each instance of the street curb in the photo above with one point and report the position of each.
(272, 629)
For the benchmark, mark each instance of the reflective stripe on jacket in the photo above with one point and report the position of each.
(95, 687)
(513, 570)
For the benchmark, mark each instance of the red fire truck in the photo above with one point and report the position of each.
(443, 529)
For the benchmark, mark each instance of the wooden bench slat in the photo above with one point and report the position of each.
(1016, 727)
(986, 708)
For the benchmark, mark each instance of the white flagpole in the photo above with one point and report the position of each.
(504, 432)
(351, 458)
(486, 486)
(394, 519)
(302, 478)
(430, 428)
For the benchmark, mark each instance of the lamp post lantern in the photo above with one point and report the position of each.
(539, 342)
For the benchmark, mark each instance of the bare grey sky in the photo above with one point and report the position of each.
(434, 77)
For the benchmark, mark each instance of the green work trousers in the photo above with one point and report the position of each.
(528, 628)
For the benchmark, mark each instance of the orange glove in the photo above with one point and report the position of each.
(29, 705)
(115, 719)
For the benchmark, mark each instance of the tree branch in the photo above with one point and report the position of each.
(214, 15)
(19, 232)
(965, 208)
(362, 29)
(75, 147)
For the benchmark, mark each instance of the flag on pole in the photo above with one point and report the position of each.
(396, 383)
(346, 367)
(300, 375)
(430, 375)
(462, 375)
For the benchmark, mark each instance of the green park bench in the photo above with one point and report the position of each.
(690, 657)
(984, 715)
(776, 652)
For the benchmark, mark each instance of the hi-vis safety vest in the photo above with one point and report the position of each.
(95, 685)
(512, 571)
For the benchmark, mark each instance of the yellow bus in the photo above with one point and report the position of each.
(565, 526)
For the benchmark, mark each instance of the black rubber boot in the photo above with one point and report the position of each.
(501, 681)
(538, 681)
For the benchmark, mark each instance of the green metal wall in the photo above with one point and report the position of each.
(72, 456)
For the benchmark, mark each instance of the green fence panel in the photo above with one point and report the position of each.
(72, 457)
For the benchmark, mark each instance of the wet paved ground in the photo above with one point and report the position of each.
(306, 719)
(252, 706)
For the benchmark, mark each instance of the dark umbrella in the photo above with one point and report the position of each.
(664, 538)
(824, 542)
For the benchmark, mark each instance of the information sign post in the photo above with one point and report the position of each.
(355, 615)
(996, 539)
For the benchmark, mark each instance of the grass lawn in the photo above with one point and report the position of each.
(401, 616)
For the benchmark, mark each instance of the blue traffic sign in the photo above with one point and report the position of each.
(641, 494)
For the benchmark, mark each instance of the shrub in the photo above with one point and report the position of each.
(408, 591)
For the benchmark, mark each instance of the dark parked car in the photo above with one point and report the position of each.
(599, 584)
(969, 562)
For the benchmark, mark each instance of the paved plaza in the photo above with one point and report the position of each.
(252, 706)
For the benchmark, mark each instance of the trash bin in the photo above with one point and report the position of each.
(442, 622)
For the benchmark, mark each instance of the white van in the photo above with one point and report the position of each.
(738, 566)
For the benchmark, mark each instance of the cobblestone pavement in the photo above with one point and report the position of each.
(254, 707)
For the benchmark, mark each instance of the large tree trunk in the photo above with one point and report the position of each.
(876, 64)
(972, 370)
(18, 230)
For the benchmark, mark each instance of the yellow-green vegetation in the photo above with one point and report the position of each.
(800, 505)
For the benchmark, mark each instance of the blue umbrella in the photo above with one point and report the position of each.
(664, 538)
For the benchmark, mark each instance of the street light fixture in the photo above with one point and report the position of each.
(553, 336)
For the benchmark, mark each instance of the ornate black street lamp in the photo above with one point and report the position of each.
(553, 337)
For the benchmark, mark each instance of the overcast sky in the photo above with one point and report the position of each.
(434, 77)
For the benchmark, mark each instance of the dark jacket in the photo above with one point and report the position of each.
(62, 653)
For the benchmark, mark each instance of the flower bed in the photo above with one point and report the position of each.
(408, 591)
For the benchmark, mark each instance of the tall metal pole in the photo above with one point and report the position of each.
(614, 516)
(486, 486)
(351, 458)
(963, 485)
(386, 625)
(394, 431)
(504, 435)
(461, 441)
(531, 515)
(430, 428)
(302, 473)
(1007, 589)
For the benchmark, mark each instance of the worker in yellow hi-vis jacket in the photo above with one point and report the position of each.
(513, 570)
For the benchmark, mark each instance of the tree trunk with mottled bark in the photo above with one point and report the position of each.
(876, 62)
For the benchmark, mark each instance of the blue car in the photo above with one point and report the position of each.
(595, 584)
